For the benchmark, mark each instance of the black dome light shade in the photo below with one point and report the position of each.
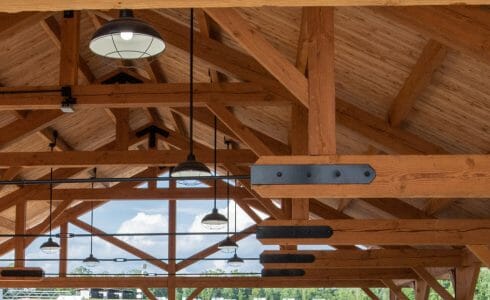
(91, 261)
(191, 168)
(126, 38)
(227, 245)
(235, 261)
(214, 220)
(50, 246)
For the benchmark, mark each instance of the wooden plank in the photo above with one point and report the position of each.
(69, 52)
(445, 26)
(370, 294)
(391, 232)
(432, 282)
(321, 81)
(188, 282)
(121, 244)
(395, 289)
(126, 158)
(398, 208)
(253, 41)
(20, 228)
(374, 258)
(11, 23)
(482, 252)
(141, 95)
(397, 176)
(419, 78)
(59, 5)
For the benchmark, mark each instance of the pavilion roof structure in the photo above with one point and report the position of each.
(404, 88)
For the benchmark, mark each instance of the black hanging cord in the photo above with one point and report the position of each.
(235, 218)
(51, 145)
(92, 216)
(228, 195)
(215, 160)
(191, 85)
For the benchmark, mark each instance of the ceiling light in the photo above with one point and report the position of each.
(50, 246)
(235, 261)
(227, 245)
(91, 261)
(215, 220)
(191, 167)
(126, 38)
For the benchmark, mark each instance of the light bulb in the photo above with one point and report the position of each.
(126, 35)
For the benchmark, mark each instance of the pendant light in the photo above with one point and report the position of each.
(228, 245)
(235, 260)
(215, 220)
(91, 261)
(50, 246)
(191, 167)
(126, 38)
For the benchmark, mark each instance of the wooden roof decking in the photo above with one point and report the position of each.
(374, 55)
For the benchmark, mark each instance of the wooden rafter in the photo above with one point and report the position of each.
(432, 282)
(395, 289)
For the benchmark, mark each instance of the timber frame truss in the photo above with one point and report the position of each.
(267, 78)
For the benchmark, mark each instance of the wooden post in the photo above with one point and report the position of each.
(70, 40)
(466, 278)
(421, 290)
(20, 228)
(122, 128)
(63, 250)
(321, 82)
(172, 243)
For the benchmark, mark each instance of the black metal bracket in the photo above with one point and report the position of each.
(68, 99)
(152, 132)
(68, 14)
(293, 232)
(312, 174)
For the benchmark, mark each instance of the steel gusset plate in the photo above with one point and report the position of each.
(312, 174)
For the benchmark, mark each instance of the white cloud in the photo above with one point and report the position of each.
(143, 223)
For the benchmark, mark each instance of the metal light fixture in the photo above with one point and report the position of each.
(191, 167)
(228, 245)
(91, 261)
(126, 38)
(235, 260)
(215, 220)
(50, 246)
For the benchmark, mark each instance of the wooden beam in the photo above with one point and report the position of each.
(422, 290)
(126, 158)
(432, 282)
(11, 23)
(370, 294)
(20, 228)
(252, 141)
(398, 208)
(253, 41)
(466, 279)
(445, 26)
(302, 48)
(53, 29)
(63, 265)
(364, 274)
(59, 5)
(482, 252)
(122, 128)
(116, 194)
(400, 176)
(375, 258)
(148, 293)
(395, 289)
(321, 81)
(195, 293)
(69, 52)
(212, 249)
(140, 95)
(419, 78)
(391, 232)
(121, 244)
